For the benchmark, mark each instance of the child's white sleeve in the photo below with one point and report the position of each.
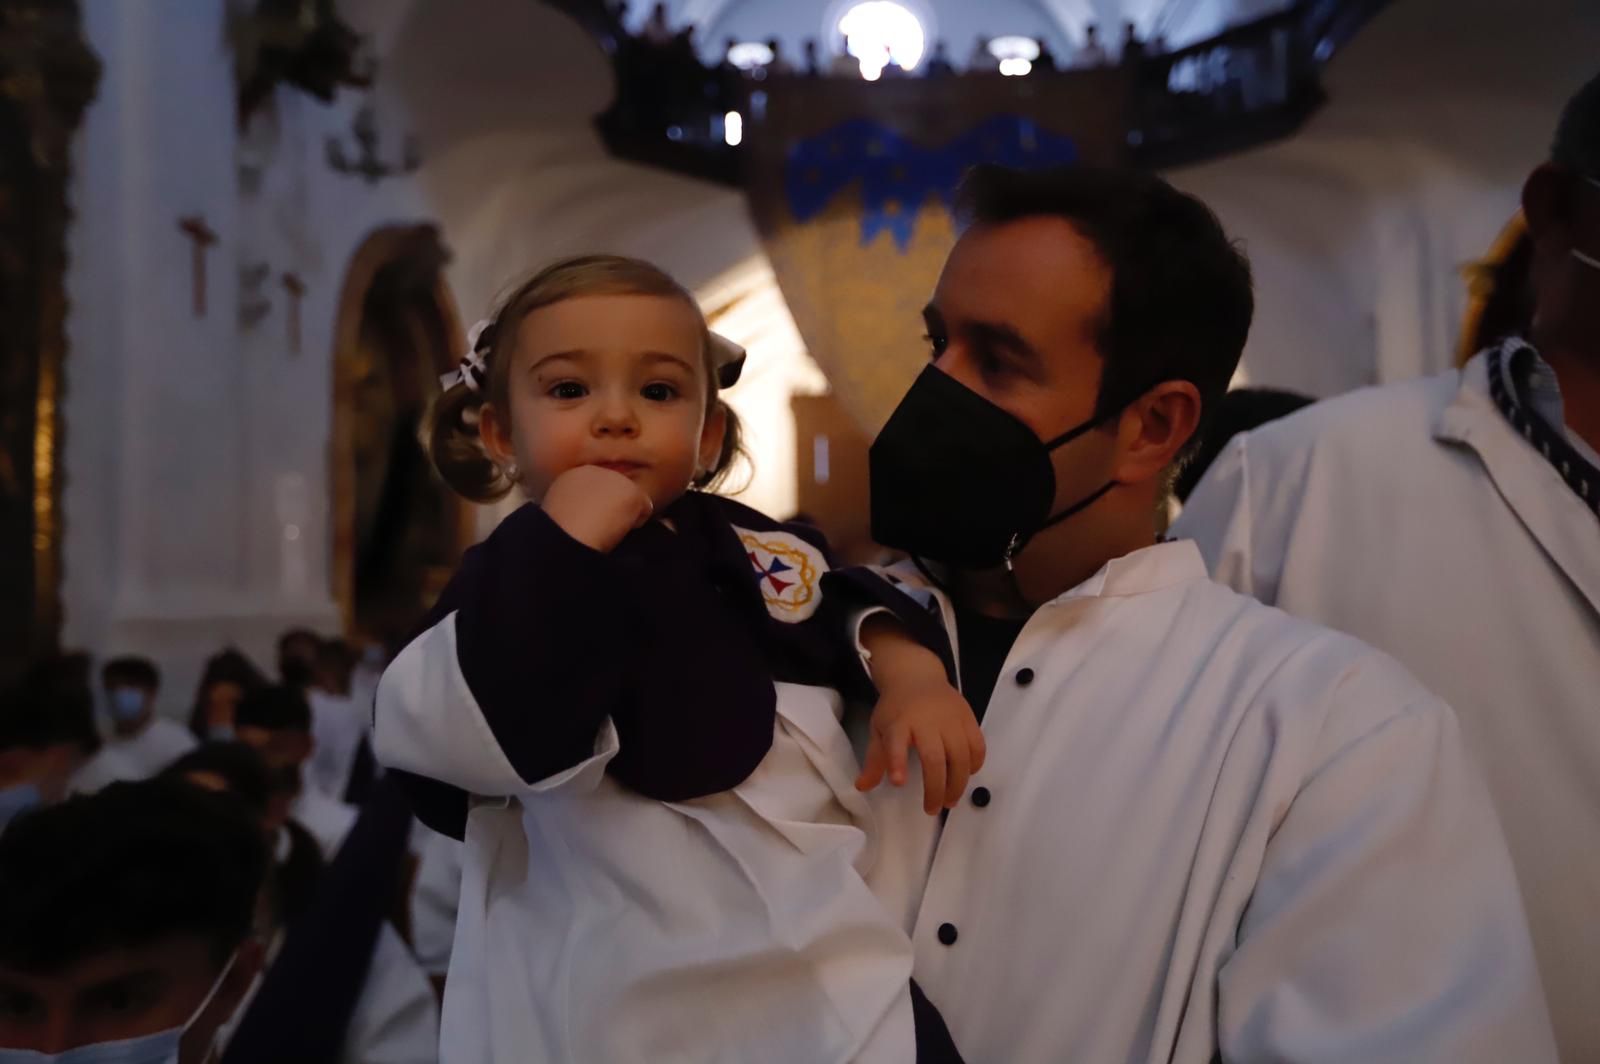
(428, 722)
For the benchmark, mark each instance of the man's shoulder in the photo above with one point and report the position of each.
(1369, 421)
(1284, 660)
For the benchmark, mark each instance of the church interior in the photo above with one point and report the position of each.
(242, 242)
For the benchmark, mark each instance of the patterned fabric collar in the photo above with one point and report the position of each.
(1508, 372)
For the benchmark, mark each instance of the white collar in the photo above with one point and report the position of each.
(1147, 569)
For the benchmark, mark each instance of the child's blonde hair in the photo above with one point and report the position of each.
(450, 431)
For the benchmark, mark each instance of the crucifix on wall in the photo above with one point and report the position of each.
(296, 288)
(202, 237)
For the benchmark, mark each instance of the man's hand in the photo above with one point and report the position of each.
(917, 707)
(597, 507)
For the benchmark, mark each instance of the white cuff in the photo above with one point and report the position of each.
(854, 624)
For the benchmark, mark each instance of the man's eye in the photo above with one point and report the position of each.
(17, 1006)
(936, 345)
(122, 997)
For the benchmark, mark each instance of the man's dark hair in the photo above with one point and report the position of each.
(236, 764)
(280, 708)
(1577, 144)
(297, 656)
(50, 705)
(226, 666)
(133, 671)
(125, 868)
(1181, 292)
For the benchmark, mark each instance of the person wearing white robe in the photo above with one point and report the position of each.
(137, 741)
(1205, 831)
(1426, 518)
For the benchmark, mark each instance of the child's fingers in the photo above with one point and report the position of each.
(896, 744)
(959, 764)
(874, 766)
(976, 744)
(930, 751)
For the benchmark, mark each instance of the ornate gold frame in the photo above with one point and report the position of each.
(381, 248)
(48, 76)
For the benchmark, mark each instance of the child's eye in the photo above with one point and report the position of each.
(568, 390)
(659, 392)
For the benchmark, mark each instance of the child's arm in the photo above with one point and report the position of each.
(917, 706)
(511, 682)
(525, 678)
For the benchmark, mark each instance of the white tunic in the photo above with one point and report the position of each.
(338, 728)
(434, 898)
(1415, 518)
(599, 925)
(327, 821)
(137, 757)
(1204, 825)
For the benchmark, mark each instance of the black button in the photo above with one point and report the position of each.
(947, 934)
(980, 797)
(1024, 677)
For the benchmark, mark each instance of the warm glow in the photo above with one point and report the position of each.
(749, 55)
(1014, 47)
(877, 31)
(733, 128)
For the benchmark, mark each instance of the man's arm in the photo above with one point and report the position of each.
(1386, 923)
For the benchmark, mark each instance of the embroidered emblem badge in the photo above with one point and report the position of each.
(789, 571)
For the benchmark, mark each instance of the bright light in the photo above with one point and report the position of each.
(1015, 68)
(879, 30)
(733, 128)
(749, 55)
(1014, 47)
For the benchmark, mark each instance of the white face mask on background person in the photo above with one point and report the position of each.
(127, 704)
(160, 1047)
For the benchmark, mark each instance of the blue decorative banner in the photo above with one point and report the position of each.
(897, 175)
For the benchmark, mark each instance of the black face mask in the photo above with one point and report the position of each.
(957, 480)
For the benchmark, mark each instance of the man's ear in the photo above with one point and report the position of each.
(198, 1043)
(1154, 430)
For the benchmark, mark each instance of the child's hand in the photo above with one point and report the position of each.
(933, 717)
(597, 507)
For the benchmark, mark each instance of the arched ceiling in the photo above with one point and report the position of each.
(1180, 21)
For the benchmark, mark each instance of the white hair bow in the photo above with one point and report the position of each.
(472, 368)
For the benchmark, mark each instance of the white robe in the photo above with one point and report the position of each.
(140, 757)
(338, 727)
(1204, 825)
(1415, 518)
(599, 925)
(326, 820)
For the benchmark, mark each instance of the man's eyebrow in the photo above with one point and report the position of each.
(1007, 336)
